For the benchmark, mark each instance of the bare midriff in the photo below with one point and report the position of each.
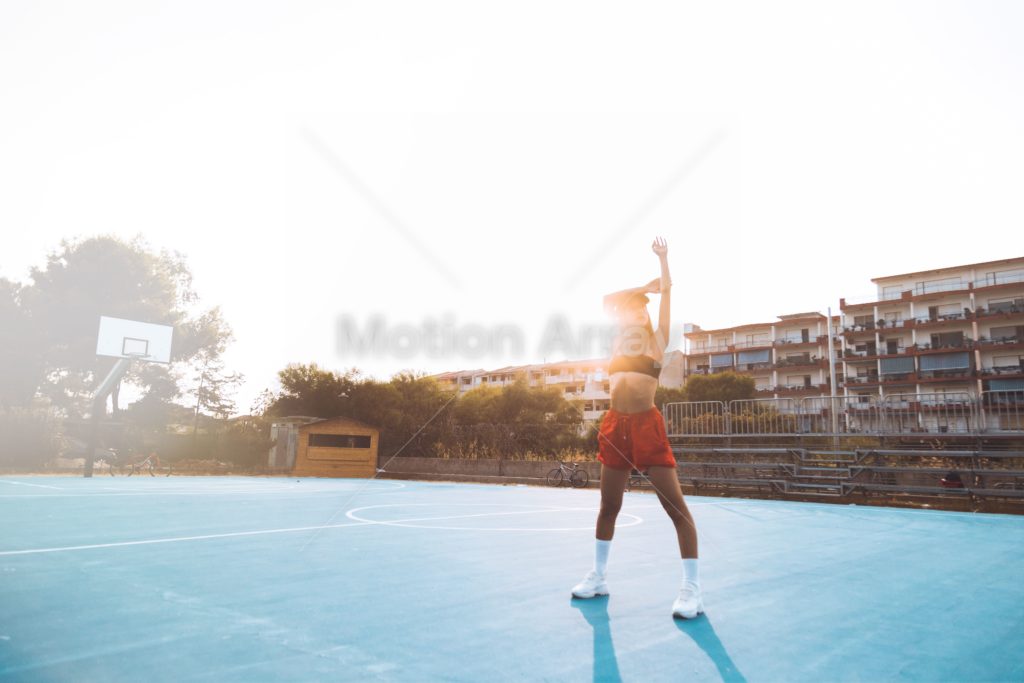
(632, 392)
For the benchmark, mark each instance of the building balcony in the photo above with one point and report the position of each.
(870, 301)
(705, 350)
(927, 376)
(1007, 371)
(927, 348)
(932, 291)
(858, 357)
(754, 367)
(862, 381)
(761, 344)
(999, 280)
(898, 378)
(942, 320)
(999, 344)
(1000, 312)
(795, 341)
(860, 330)
(810, 363)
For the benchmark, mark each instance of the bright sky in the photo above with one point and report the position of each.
(508, 163)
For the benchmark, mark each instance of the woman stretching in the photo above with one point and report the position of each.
(632, 435)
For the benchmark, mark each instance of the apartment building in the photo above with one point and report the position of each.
(950, 331)
(786, 358)
(585, 381)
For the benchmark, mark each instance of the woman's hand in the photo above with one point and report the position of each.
(660, 247)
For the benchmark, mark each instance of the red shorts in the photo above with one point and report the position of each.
(628, 440)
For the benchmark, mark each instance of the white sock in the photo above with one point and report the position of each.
(690, 572)
(601, 556)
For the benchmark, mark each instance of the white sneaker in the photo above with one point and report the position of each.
(689, 603)
(592, 585)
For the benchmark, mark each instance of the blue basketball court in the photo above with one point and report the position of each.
(247, 579)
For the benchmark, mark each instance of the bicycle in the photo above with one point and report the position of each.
(636, 479)
(574, 475)
(150, 464)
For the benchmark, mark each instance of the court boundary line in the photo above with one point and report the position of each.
(22, 483)
(405, 523)
(261, 532)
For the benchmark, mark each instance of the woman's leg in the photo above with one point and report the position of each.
(613, 483)
(666, 483)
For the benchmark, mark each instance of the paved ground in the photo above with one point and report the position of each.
(246, 579)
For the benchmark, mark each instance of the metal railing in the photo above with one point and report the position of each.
(940, 413)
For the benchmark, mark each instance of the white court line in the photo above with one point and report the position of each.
(179, 539)
(351, 514)
(21, 483)
(235, 534)
(214, 492)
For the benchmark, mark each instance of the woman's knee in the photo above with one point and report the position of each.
(677, 512)
(609, 510)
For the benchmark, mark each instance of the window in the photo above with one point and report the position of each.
(892, 292)
(892, 316)
(722, 360)
(950, 309)
(897, 366)
(756, 339)
(339, 441)
(947, 339)
(867, 321)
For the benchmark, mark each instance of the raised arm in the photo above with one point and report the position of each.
(660, 247)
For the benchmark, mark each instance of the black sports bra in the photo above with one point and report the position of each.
(644, 364)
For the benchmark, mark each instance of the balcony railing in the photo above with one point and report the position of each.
(947, 317)
(753, 344)
(939, 287)
(796, 362)
(965, 343)
(704, 350)
(784, 341)
(753, 367)
(998, 341)
(1000, 279)
(1002, 370)
(863, 379)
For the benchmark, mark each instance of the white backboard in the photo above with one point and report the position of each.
(122, 338)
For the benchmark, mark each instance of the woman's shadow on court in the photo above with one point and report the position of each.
(702, 633)
(595, 611)
(606, 665)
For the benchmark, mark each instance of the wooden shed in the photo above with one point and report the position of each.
(337, 447)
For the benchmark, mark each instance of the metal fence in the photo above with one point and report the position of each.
(946, 413)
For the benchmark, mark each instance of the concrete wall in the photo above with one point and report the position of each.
(477, 470)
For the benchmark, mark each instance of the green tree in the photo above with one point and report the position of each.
(665, 395)
(313, 391)
(21, 362)
(721, 386)
(88, 278)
